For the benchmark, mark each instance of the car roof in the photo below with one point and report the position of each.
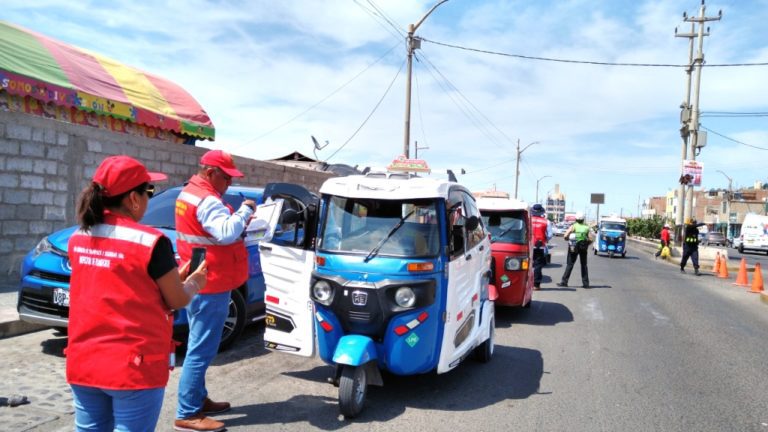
(360, 186)
(497, 203)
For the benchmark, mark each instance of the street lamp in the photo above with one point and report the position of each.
(537, 186)
(517, 167)
(414, 43)
(727, 205)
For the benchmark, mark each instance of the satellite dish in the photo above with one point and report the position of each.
(317, 146)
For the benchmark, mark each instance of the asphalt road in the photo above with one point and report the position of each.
(646, 349)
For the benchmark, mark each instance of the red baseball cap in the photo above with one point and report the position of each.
(222, 160)
(119, 174)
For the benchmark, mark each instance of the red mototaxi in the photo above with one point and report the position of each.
(509, 224)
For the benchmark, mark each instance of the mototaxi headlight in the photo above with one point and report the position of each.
(405, 297)
(512, 264)
(322, 291)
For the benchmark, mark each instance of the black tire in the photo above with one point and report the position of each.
(484, 351)
(235, 322)
(741, 249)
(595, 251)
(624, 255)
(353, 387)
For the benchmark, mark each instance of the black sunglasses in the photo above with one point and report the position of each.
(150, 190)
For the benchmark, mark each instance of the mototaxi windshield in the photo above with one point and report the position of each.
(358, 226)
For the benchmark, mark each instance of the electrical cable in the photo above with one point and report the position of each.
(587, 62)
(389, 20)
(376, 16)
(369, 115)
(731, 139)
(421, 117)
(251, 141)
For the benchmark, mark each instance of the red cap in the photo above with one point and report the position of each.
(222, 160)
(119, 174)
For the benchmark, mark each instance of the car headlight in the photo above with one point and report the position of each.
(322, 291)
(512, 264)
(405, 297)
(42, 247)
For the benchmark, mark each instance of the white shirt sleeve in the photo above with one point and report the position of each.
(549, 230)
(215, 218)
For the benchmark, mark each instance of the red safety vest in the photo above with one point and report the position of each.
(120, 328)
(665, 235)
(227, 264)
(539, 229)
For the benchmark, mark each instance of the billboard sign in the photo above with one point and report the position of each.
(597, 198)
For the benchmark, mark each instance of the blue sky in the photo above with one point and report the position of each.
(273, 73)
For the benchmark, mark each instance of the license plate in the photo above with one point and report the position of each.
(61, 297)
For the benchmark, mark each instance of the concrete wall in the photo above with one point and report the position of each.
(44, 164)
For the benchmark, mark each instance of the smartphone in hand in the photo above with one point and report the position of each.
(198, 255)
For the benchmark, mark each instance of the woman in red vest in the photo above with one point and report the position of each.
(124, 286)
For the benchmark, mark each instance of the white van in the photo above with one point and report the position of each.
(754, 233)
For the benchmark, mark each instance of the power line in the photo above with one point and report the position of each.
(731, 139)
(588, 62)
(377, 17)
(389, 20)
(369, 115)
(732, 114)
(251, 141)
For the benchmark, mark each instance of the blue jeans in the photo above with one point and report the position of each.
(120, 410)
(206, 314)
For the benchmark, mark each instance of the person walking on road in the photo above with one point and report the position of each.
(691, 245)
(124, 285)
(665, 237)
(577, 248)
(204, 219)
(542, 232)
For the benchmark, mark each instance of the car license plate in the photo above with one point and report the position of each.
(61, 297)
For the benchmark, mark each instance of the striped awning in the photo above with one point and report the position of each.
(51, 71)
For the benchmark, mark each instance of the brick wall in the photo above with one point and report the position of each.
(44, 164)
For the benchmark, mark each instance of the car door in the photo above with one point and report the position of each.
(287, 261)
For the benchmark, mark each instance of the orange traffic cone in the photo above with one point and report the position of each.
(716, 266)
(757, 280)
(723, 268)
(741, 278)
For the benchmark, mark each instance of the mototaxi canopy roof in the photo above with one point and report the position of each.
(51, 71)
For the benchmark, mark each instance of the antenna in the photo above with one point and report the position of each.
(317, 146)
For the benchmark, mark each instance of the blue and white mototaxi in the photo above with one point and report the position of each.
(382, 274)
(611, 237)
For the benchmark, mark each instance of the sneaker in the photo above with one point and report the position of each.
(198, 423)
(585, 286)
(537, 286)
(696, 272)
(211, 407)
(561, 284)
(682, 270)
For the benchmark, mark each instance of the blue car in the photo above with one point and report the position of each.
(45, 271)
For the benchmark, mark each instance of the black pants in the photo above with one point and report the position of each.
(581, 254)
(538, 263)
(691, 251)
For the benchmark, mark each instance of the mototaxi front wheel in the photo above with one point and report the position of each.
(353, 387)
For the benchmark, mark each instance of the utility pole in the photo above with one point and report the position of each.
(517, 167)
(414, 43)
(537, 186)
(416, 149)
(728, 205)
(691, 112)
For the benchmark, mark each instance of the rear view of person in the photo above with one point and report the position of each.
(542, 232)
(579, 250)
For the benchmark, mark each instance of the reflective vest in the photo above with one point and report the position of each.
(581, 231)
(227, 264)
(539, 228)
(120, 329)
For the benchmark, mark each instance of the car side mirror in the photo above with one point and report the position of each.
(289, 216)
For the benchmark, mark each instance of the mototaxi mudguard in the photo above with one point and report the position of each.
(359, 351)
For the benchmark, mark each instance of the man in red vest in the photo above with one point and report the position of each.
(542, 232)
(665, 237)
(204, 219)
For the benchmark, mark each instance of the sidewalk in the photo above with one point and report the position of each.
(10, 325)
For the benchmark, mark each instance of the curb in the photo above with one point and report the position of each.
(11, 325)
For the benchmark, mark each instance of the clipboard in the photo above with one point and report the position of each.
(262, 226)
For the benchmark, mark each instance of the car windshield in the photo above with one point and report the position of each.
(613, 226)
(358, 226)
(161, 210)
(506, 227)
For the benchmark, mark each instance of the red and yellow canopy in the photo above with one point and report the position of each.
(51, 71)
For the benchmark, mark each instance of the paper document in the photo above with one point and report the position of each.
(264, 221)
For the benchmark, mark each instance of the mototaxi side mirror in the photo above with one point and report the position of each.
(289, 216)
(471, 223)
